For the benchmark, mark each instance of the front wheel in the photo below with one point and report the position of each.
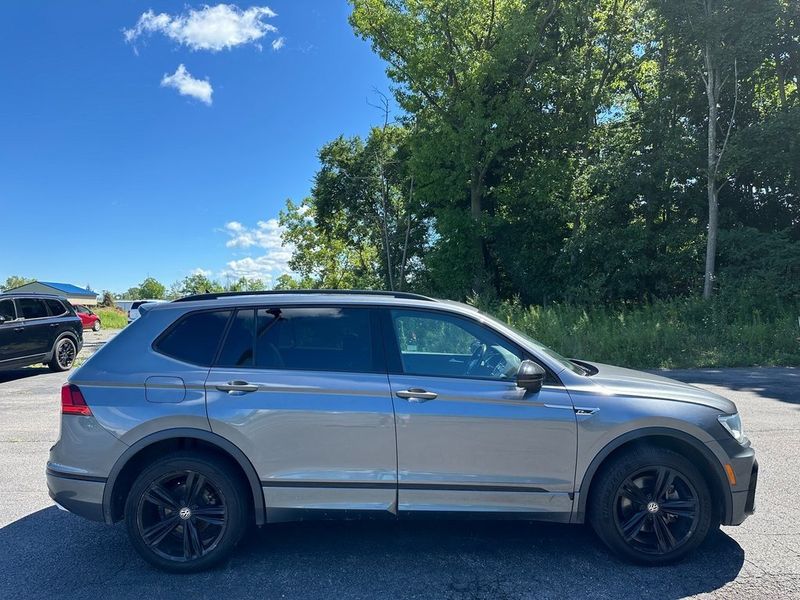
(186, 512)
(651, 507)
(96, 326)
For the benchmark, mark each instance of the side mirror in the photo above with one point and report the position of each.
(2, 319)
(530, 376)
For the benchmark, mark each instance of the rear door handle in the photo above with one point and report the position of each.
(416, 395)
(237, 386)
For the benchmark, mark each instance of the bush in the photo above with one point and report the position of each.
(729, 331)
(111, 318)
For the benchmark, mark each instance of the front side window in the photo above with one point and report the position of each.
(31, 308)
(195, 337)
(7, 312)
(444, 345)
(307, 338)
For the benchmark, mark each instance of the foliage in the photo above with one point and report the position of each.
(732, 330)
(149, 289)
(196, 283)
(15, 281)
(561, 152)
(111, 317)
(107, 300)
(245, 284)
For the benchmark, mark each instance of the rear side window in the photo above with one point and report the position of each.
(238, 348)
(31, 308)
(56, 308)
(7, 310)
(195, 337)
(309, 338)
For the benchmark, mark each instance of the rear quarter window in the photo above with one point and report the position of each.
(194, 338)
(57, 309)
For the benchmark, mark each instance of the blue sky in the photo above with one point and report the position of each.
(109, 174)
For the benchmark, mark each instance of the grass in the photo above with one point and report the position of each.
(111, 318)
(679, 333)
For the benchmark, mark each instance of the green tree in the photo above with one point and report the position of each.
(245, 284)
(107, 300)
(15, 281)
(151, 288)
(198, 283)
(725, 37)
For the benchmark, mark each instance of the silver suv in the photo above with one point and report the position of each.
(215, 413)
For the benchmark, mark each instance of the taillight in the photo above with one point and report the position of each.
(72, 402)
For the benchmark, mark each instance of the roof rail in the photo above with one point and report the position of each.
(214, 296)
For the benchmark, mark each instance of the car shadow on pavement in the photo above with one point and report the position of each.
(776, 383)
(54, 554)
(14, 374)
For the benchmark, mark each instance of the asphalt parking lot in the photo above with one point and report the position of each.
(46, 553)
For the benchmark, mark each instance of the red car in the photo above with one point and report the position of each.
(88, 318)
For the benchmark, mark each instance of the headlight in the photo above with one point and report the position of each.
(733, 424)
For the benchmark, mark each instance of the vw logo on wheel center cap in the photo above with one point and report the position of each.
(652, 507)
(185, 513)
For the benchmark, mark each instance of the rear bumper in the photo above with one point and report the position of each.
(76, 493)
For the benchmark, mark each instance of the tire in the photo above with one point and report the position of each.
(173, 539)
(651, 506)
(96, 325)
(64, 353)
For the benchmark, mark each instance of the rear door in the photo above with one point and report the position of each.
(11, 338)
(37, 326)
(469, 439)
(303, 391)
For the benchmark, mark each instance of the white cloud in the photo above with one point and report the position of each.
(203, 272)
(267, 236)
(279, 43)
(187, 85)
(212, 28)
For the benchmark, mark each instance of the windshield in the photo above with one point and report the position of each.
(565, 362)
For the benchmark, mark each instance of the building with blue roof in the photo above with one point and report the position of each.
(73, 293)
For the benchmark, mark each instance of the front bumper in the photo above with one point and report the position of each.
(744, 501)
(742, 460)
(76, 493)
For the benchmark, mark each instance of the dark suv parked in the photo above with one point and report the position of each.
(38, 328)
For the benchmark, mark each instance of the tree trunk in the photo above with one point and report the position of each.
(712, 92)
(476, 207)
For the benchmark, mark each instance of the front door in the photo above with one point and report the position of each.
(303, 391)
(468, 439)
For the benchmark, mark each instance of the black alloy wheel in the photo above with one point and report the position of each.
(651, 505)
(63, 355)
(182, 516)
(656, 510)
(187, 511)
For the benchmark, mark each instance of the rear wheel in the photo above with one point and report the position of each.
(186, 513)
(64, 353)
(652, 506)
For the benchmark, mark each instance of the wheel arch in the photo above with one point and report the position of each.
(68, 334)
(662, 437)
(145, 450)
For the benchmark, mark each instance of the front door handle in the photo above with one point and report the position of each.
(237, 386)
(416, 395)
